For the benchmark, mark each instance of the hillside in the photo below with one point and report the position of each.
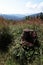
(35, 20)
(15, 48)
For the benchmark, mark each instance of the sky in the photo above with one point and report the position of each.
(21, 6)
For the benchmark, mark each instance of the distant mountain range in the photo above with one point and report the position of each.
(17, 16)
(12, 16)
(35, 15)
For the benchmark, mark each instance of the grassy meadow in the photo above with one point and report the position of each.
(17, 29)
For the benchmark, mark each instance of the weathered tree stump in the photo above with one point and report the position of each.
(29, 38)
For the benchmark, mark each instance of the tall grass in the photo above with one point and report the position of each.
(16, 47)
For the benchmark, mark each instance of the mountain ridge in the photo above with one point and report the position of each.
(18, 16)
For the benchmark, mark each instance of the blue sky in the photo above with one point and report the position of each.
(21, 6)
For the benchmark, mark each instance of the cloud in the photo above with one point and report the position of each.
(34, 7)
(30, 5)
(20, 7)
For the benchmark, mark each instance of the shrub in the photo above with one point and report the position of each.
(6, 38)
